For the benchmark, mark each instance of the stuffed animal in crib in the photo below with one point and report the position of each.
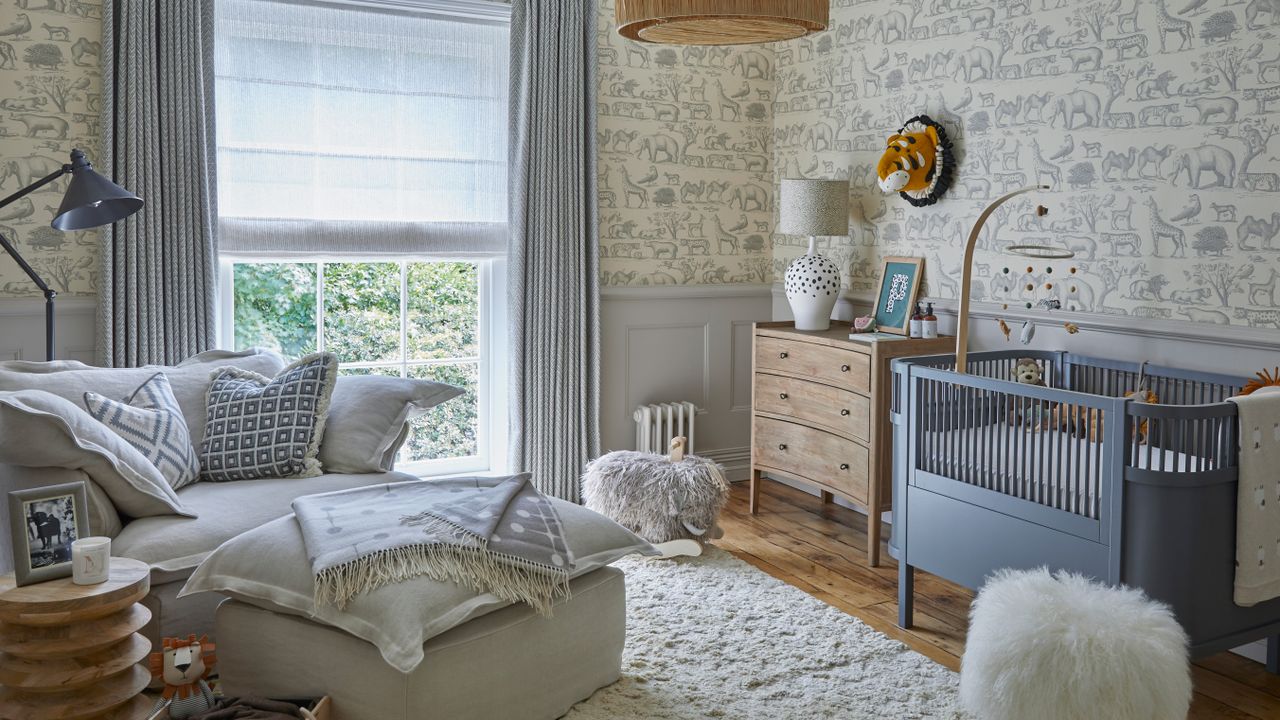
(918, 162)
(1036, 415)
(183, 667)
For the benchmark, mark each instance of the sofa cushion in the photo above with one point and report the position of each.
(70, 380)
(367, 419)
(150, 420)
(268, 567)
(259, 427)
(173, 547)
(39, 429)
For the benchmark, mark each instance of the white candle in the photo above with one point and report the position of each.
(90, 560)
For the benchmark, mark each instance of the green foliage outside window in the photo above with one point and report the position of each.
(276, 307)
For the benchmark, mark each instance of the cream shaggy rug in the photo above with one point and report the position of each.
(713, 637)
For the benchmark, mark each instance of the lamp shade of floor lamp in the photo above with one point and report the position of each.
(814, 208)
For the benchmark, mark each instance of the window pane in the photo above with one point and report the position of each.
(275, 307)
(450, 428)
(362, 311)
(379, 371)
(444, 310)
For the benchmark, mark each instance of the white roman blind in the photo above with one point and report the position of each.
(362, 128)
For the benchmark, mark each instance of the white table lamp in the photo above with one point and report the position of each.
(813, 208)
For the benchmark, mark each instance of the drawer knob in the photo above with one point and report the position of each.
(782, 396)
(782, 446)
(844, 412)
(844, 368)
(844, 466)
(783, 354)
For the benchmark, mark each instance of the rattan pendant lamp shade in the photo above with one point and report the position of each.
(720, 22)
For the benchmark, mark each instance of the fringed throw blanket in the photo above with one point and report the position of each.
(496, 535)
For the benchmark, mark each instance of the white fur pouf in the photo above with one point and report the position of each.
(1066, 648)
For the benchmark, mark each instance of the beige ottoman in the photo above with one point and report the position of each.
(509, 664)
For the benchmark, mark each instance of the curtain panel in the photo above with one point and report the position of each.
(158, 267)
(554, 261)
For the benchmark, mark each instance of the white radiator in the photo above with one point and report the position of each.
(657, 424)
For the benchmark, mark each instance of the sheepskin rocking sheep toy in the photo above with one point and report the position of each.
(671, 501)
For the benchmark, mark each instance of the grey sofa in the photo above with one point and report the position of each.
(174, 545)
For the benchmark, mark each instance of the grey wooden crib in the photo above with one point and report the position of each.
(990, 473)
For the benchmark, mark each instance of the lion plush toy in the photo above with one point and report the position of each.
(917, 162)
(183, 666)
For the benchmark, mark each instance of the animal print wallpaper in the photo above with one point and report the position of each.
(1155, 122)
(51, 77)
(685, 160)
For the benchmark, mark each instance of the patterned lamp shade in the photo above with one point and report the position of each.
(814, 207)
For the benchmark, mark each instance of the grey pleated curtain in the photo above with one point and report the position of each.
(555, 304)
(158, 268)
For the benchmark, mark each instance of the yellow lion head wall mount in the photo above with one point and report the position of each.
(918, 162)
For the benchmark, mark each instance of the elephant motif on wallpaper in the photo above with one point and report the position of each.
(1206, 158)
(658, 148)
(752, 64)
(748, 198)
(975, 58)
(1073, 104)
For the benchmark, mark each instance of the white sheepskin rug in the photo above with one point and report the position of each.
(713, 637)
(1066, 648)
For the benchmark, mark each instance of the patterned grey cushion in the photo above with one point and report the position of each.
(151, 421)
(267, 428)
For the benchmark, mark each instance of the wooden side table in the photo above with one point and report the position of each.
(72, 652)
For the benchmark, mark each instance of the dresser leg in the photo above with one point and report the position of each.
(906, 595)
(756, 476)
(873, 538)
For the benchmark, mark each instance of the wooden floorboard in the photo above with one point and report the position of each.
(821, 549)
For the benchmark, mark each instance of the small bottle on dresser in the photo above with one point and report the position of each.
(929, 325)
(916, 327)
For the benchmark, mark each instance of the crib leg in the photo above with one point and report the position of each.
(906, 595)
(1273, 654)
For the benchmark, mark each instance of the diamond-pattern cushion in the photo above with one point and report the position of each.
(267, 428)
(151, 421)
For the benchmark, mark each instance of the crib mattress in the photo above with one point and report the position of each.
(1042, 464)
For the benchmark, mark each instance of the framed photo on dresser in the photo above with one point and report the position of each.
(899, 287)
(43, 522)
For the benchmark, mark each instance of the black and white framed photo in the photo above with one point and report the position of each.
(44, 522)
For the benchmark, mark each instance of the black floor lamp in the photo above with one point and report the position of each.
(90, 201)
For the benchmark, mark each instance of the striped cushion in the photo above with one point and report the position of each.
(267, 428)
(151, 421)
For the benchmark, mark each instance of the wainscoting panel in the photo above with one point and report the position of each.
(682, 343)
(22, 329)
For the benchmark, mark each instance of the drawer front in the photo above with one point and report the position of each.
(843, 368)
(812, 455)
(840, 410)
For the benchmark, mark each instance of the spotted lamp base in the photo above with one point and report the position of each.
(812, 283)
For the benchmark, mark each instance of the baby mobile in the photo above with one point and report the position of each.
(1044, 291)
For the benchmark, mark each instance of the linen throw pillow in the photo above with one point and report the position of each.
(151, 421)
(267, 428)
(368, 420)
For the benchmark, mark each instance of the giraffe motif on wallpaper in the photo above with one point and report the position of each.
(725, 104)
(1161, 229)
(1167, 24)
(1044, 168)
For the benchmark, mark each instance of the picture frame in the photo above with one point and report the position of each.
(896, 297)
(43, 523)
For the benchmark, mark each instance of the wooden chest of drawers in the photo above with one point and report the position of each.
(820, 414)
